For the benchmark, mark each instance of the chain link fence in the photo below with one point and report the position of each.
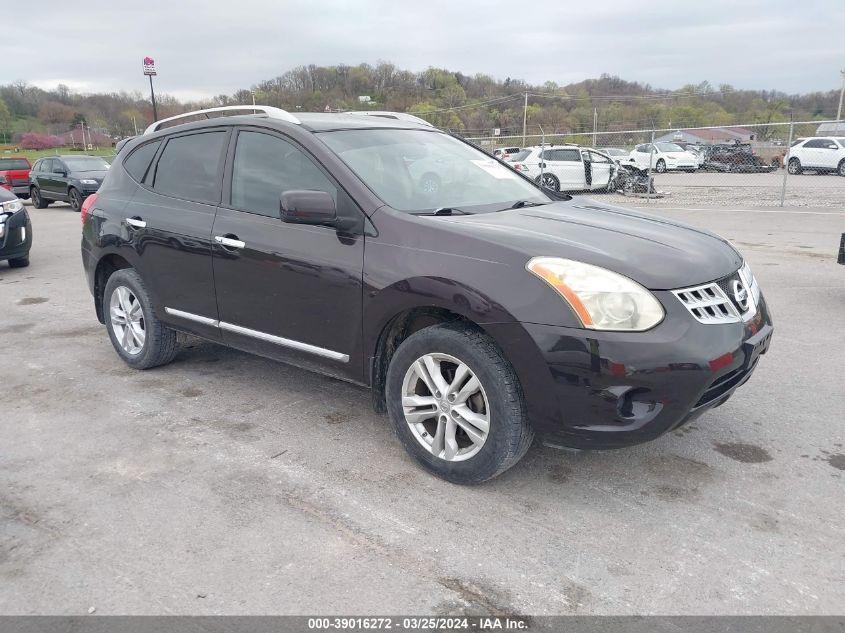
(736, 165)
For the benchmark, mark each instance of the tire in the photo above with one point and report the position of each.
(497, 402)
(75, 199)
(794, 166)
(841, 169)
(550, 182)
(660, 167)
(430, 184)
(158, 346)
(37, 201)
(19, 262)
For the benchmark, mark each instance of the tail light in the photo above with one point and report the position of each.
(519, 167)
(86, 206)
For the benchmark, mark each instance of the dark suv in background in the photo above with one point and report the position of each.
(66, 178)
(479, 313)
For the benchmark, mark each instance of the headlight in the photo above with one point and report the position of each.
(12, 206)
(88, 182)
(602, 299)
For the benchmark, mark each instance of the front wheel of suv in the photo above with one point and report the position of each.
(841, 169)
(75, 199)
(37, 201)
(794, 166)
(660, 167)
(138, 337)
(456, 404)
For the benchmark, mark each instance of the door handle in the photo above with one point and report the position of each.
(136, 222)
(230, 242)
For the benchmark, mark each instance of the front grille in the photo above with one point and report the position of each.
(717, 301)
(708, 304)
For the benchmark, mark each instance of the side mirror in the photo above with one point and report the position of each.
(308, 207)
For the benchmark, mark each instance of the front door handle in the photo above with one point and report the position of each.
(138, 223)
(229, 242)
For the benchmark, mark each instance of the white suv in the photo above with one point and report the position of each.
(817, 154)
(566, 167)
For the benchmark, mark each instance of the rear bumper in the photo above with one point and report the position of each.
(604, 390)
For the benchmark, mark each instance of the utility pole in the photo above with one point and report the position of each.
(839, 111)
(524, 118)
(595, 124)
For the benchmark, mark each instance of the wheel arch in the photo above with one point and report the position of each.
(106, 266)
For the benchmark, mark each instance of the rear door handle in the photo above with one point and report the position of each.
(230, 242)
(136, 222)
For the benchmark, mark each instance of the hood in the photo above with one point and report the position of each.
(89, 175)
(658, 253)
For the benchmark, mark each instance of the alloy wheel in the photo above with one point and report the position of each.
(445, 406)
(127, 320)
(75, 200)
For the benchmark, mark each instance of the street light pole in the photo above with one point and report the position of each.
(839, 111)
(153, 97)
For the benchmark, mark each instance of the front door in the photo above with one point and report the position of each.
(287, 291)
(600, 168)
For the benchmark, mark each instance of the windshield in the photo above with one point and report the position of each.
(615, 152)
(521, 155)
(86, 163)
(13, 163)
(669, 147)
(420, 170)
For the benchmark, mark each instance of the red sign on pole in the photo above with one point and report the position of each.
(149, 66)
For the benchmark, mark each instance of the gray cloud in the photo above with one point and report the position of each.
(212, 47)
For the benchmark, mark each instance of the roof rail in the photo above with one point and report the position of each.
(401, 116)
(267, 111)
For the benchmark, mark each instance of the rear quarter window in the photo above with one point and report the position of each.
(138, 162)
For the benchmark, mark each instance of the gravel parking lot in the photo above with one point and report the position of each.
(734, 190)
(226, 483)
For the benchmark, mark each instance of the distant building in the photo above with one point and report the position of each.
(708, 136)
(829, 129)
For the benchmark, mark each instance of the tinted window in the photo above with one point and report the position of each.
(58, 166)
(46, 165)
(139, 160)
(189, 165)
(521, 155)
(562, 154)
(13, 163)
(816, 142)
(265, 166)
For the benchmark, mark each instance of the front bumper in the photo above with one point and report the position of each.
(16, 238)
(603, 390)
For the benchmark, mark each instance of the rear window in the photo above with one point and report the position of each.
(189, 165)
(521, 155)
(13, 163)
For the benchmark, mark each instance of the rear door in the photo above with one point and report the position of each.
(287, 291)
(566, 164)
(812, 154)
(43, 177)
(168, 223)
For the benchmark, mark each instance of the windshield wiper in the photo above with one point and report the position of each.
(446, 211)
(525, 203)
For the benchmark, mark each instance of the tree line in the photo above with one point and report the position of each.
(468, 104)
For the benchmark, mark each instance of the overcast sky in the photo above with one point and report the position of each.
(212, 47)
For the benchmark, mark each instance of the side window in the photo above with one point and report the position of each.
(139, 160)
(47, 165)
(59, 166)
(813, 143)
(188, 166)
(570, 155)
(36, 166)
(640, 149)
(267, 165)
(598, 158)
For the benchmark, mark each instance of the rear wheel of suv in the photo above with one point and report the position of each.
(456, 404)
(137, 335)
(75, 199)
(549, 181)
(794, 166)
(37, 201)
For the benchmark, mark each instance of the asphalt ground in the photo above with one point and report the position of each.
(227, 483)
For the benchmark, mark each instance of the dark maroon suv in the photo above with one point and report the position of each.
(480, 312)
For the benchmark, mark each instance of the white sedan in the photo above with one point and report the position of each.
(664, 157)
